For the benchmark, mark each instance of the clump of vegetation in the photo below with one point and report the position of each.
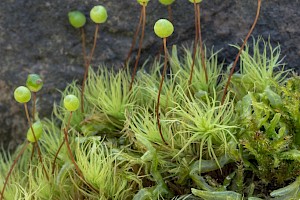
(218, 136)
(247, 146)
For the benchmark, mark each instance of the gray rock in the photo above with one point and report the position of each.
(35, 37)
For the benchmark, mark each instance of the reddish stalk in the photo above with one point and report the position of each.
(83, 45)
(36, 141)
(83, 88)
(170, 15)
(69, 148)
(32, 152)
(85, 59)
(201, 44)
(140, 46)
(159, 91)
(12, 167)
(161, 48)
(33, 105)
(195, 43)
(41, 161)
(66, 140)
(71, 154)
(33, 118)
(56, 155)
(94, 45)
(240, 50)
(134, 39)
(87, 65)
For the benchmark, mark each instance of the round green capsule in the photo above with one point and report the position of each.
(98, 14)
(163, 28)
(34, 82)
(71, 102)
(195, 1)
(76, 19)
(22, 94)
(38, 130)
(166, 2)
(142, 2)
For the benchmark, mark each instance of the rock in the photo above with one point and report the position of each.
(35, 37)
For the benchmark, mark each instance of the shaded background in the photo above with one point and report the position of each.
(35, 37)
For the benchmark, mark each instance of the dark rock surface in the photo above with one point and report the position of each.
(35, 37)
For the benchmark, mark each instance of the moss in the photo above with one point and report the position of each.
(242, 147)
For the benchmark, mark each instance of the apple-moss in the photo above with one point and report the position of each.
(34, 82)
(195, 1)
(38, 130)
(98, 14)
(166, 2)
(71, 102)
(22, 94)
(163, 28)
(142, 2)
(77, 19)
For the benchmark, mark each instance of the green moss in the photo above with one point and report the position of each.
(239, 148)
